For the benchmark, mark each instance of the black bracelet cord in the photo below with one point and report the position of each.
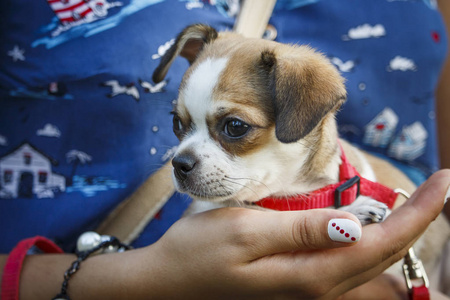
(81, 256)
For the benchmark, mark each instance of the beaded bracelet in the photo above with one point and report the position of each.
(96, 243)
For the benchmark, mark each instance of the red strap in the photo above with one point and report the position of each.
(419, 293)
(369, 188)
(346, 169)
(325, 197)
(321, 198)
(13, 266)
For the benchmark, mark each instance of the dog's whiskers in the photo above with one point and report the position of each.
(250, 179)
(243, 185)
(225, 189)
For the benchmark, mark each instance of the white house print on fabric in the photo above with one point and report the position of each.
(410, 143)
(380, 130)
(26, 172)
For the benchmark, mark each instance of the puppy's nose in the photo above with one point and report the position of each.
(183, 165)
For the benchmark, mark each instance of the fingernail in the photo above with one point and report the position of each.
(447, 196)
(344, 230)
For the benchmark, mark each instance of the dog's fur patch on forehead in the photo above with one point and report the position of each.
(197, 91)
(279, 79)
(245, 80)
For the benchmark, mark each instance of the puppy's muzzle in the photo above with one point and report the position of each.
(183, 166)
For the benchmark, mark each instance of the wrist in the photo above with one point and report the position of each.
(143, 274)
(148, 273)
(42, 275)
(100, 277)
(125, 275)
(106, 276)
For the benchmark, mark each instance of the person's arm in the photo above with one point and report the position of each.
(106, 276)
(443, 101)
(234, 253)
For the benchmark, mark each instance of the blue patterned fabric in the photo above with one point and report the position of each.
(82, 125)
(391, 63)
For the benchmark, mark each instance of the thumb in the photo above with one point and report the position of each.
(280, 232)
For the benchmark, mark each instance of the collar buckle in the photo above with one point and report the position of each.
(345, 186)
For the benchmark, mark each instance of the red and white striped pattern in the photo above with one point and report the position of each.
(69, 11)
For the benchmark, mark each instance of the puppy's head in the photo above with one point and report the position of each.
(252, 115)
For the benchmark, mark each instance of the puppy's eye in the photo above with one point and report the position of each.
(236, 128)
(177, 125)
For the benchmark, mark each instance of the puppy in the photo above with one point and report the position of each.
(256, 119)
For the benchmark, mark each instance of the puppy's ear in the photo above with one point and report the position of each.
(188, 44)
(305, 87)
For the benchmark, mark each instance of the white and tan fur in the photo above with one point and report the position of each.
(287, 96)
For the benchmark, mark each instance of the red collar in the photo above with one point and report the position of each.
(350, 185)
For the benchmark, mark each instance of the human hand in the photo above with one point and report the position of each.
(235, 253)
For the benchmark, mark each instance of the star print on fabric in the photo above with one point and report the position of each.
(17, 54)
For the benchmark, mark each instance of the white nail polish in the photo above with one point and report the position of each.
(344, 230)
(447, 196)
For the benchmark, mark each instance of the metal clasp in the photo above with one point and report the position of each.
(413, 270)
(345, 186)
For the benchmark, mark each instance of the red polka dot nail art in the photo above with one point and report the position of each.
(344, 230)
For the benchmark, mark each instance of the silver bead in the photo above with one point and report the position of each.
(109, 249)
(88, 241)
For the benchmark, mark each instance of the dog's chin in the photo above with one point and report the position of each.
(202, 193)
(211, 198)
(208, 197)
